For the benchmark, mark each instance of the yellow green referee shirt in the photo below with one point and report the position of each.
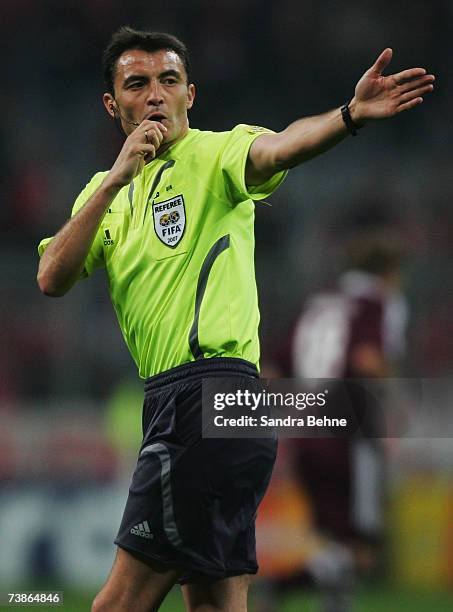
(177, 245)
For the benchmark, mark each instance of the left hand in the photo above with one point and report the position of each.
(377, 96)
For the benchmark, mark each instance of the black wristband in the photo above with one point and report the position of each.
(352, 127)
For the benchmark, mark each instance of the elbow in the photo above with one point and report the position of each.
(281, 162)
(279, 157)
(280, 153)
(286, 160)
(288, 154)
(47, 287)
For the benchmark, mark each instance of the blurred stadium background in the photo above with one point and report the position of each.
(69, 400)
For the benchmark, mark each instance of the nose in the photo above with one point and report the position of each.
(155, 96)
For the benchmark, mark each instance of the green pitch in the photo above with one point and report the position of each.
(371, 599)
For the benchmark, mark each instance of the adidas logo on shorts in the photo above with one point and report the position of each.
(142, 530)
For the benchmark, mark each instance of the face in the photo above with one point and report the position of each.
(152, 86)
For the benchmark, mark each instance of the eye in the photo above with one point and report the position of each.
(169, 81)
(135, 85)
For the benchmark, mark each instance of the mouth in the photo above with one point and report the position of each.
(156, 117)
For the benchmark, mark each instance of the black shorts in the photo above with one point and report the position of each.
(192, 502)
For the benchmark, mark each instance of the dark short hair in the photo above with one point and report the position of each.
(127, 38)
(376, 252)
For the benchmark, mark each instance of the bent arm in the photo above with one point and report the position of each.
(62, 262)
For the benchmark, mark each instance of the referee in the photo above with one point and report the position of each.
(172, 225)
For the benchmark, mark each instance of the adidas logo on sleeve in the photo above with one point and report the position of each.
(142, 530)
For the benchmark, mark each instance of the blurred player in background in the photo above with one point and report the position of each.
(354, 331)
(172, 224)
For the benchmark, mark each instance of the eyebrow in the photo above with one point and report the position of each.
(143, 77)
(171, 72)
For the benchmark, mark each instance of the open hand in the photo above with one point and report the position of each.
(377, 96)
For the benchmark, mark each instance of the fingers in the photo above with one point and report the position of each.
(407, 75)
(153, 129)
(148, 152)
(141, 149)
(425, 80)
(153, 137)
(406, 106)
(411, 92)
(147, 124)
(150, 133)
(382, 61)
(145, 141)
(415, 93)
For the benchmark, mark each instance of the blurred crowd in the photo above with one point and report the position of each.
(69, 404)
(254, 61)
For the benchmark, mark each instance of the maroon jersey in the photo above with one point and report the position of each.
(334, 324)
(344, 477)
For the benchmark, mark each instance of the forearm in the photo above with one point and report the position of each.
(62, 262)
(300, 141)
(309, 137)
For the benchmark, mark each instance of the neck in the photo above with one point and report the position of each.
(167, 145)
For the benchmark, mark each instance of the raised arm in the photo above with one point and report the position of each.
(62, 262)
(376, 97)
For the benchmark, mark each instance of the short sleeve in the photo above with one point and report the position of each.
(233, 162)
(95, 257)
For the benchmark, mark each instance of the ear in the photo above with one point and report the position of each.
(109, 103)
(190, 96)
